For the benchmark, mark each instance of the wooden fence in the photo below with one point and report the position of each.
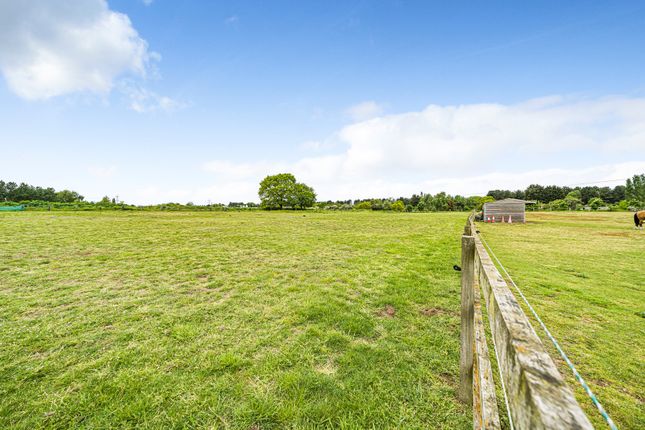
(538, 397)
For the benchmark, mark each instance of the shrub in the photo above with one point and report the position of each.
(559, 205)
(398, 206)
(377, 205)
(596, 203)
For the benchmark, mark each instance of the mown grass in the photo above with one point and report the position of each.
(234, 320)
(584, 275)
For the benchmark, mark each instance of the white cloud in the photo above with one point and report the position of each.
(364, 110)
(148, 2)
(52, 48)
(232, 20)
(444, 139)
(467, 150)
(470, 149)
(143, 100)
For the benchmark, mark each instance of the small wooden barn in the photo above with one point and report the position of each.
(505, 209)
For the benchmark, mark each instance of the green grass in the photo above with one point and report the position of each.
(239, 321)
(584, 273)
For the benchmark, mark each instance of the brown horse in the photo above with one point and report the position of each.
(639, 218)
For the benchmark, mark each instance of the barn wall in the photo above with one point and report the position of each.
(503, 209)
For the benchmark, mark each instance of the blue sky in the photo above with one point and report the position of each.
(197, 101)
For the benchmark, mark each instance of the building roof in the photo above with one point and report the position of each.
(513, 201)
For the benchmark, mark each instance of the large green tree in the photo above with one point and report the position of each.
(305, 197)
(635, 189)
(283, 191)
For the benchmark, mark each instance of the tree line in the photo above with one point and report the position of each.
(549, 193)
(550, 197)
(554, 197)
(440, 202)
(12, 192)
(282, 191)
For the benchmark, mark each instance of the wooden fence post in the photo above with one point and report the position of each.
(467, 319)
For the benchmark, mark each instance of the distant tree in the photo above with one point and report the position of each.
(554, 192)
(482, 200)
(622, 205)
(506, 194)
(519, 194)
(471, 202)
(49, 194)
(398, 206)
(535, 192)
(573, 200)
(67, 196)
(425, 204)
(22, 192)
(459, 203)
(588, 193)
(500, 194)
(363, 205)
(635, 189)
(377, 205)
(440, 202)
(276, 191)
(282, 191)
(558, 205)
(617, 194)
(596, 202)
(605, 193)
(11, 187)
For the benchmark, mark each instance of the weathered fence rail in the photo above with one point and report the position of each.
(538, 397)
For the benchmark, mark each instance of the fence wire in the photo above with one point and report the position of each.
(564, 356)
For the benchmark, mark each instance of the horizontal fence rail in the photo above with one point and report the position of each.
(536, 393)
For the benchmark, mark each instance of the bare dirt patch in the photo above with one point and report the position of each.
(387, 312)
(447, 378)
(431, 312)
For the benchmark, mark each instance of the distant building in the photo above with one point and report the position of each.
(503, 209)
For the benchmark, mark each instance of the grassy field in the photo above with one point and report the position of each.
(254, 321)
(584, 274)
